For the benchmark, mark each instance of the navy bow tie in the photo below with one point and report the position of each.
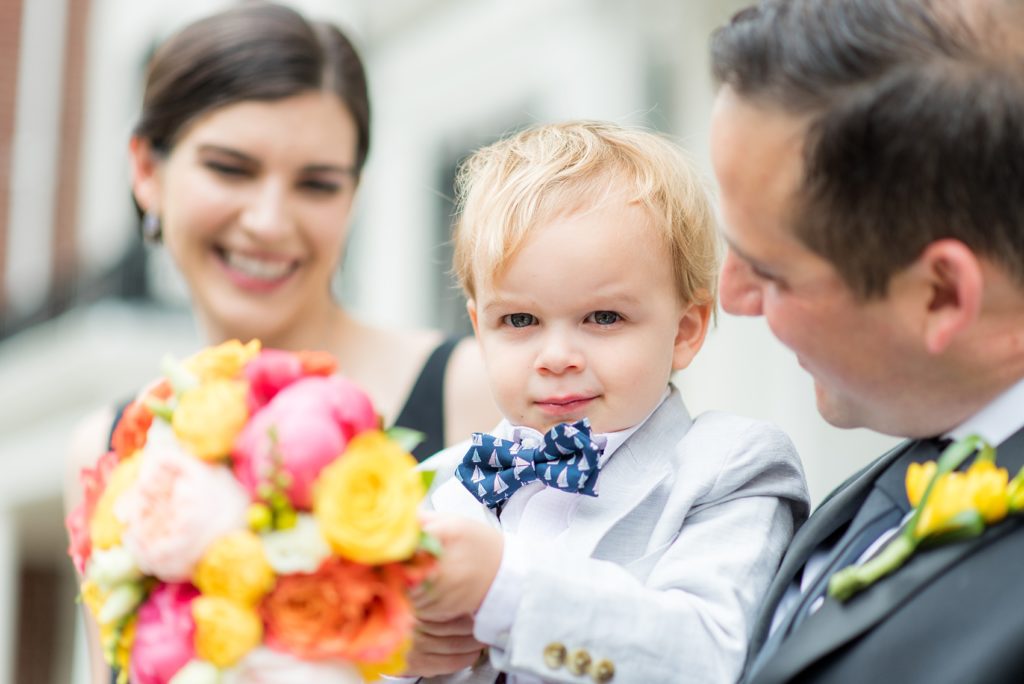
(494, 468)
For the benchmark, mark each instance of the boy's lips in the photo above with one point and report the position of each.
(564, 405)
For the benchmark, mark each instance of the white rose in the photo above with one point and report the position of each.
(265, 666)
(299, 549)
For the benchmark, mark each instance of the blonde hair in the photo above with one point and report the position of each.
(509, 188)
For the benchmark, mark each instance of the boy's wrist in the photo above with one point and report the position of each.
(496, 614)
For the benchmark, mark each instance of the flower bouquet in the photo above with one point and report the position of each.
(252, 523)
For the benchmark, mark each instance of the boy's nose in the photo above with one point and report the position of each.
(267, 214)
(559, 353)
(739, 291)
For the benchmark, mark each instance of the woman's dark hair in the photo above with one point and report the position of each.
(256, 51)
(916, 124)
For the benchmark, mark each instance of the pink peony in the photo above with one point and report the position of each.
(268, 374)
(176, 507)
(313, 418)
(163, 634)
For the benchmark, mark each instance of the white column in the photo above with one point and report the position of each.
(9, 562)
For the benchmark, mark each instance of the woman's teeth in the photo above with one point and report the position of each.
(258, 268)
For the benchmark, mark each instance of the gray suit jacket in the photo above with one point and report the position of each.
(661, 574)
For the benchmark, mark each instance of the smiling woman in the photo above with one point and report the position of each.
(254, 130)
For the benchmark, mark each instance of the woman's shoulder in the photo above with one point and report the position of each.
(89, 440)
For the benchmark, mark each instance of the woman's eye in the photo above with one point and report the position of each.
(519, 320)
(605, 317)
(325, 187)
(226, 169)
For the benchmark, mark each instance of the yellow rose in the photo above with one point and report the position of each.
(394, 665)
(982, 488)
(986, 489)
(225, 630)
(104, 527)
(223, 362)
(1015, 492)
(235, 567)
(918, 477)
(210, 416)
(366, 501)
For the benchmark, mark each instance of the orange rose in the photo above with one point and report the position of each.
(130, 434)
(343, 610)
(317, 362)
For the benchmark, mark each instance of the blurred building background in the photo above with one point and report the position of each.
(86, 311)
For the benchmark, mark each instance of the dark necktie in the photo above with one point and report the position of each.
(493, 468)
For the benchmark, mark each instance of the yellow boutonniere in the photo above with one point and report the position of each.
(948, 505)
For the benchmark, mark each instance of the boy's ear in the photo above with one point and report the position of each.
(145, 165)
(693, 328)
(471, 310)
(950, 276)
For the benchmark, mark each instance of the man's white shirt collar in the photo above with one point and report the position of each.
(997, 421)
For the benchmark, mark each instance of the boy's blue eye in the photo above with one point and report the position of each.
(519, 320)
(605, 317)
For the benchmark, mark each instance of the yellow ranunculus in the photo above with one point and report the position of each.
(366, 501)
(223, 362)
(225, 630)
(104, 527)
(981, 488)
(235, 567)
(918, 477)
(394, 665)
(210, 416)
(115, 637)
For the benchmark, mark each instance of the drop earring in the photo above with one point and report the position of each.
(152, 231)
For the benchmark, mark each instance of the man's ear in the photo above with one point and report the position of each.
(953, 275)
(471, 310)
(690, 334)
(145, 166)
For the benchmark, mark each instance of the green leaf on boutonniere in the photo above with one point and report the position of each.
(953, 506)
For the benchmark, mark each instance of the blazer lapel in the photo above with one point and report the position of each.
(629, 476)
(837, 510)
(835, 623)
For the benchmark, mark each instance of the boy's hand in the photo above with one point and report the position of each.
(465, 571)
(440, 648)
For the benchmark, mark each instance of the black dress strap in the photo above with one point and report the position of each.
(424, 409)
(118, 412)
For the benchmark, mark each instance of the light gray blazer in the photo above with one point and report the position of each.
(661, 574)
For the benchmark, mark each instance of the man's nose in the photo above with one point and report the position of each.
(739, 290)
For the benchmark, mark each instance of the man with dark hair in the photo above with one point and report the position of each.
(870, 156)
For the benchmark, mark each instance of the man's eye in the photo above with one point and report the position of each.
(604, 317)
(519, 320)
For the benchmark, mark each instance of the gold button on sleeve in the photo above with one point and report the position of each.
(554, 655)
(602, 671)
(579, 661)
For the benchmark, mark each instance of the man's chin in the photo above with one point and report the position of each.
(835, 412)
